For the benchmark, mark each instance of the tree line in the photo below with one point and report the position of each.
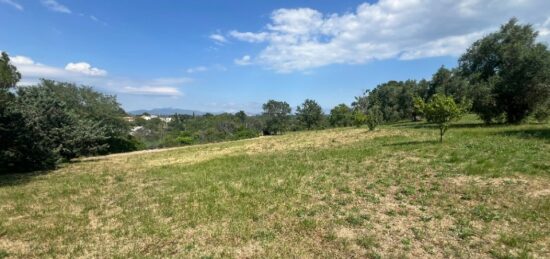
(51, 122)
(503, 77)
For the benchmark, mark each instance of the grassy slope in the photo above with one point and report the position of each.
(394, 192)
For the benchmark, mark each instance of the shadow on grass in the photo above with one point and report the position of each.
(527, 133)
(412, 143)
(11, 179)
(425, 125)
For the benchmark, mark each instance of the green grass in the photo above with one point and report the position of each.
(394, 192)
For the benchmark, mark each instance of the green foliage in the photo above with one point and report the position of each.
(542, 114)
(442, 110)
(511, 72)
(44, 124)
(276, 116)
(310, 114)
(450, 83)
(21, 147)
(8, 73)
(185, 138)
(244, 133)
(196, 129)
(61, 129)
(374, 117)
(359, 119)
(90, 105)
(341, 116)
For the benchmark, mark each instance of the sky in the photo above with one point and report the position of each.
(226, 56)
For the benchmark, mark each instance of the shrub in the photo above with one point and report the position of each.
(359, 119)
(374, 118)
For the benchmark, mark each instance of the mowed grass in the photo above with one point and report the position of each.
(393, 192)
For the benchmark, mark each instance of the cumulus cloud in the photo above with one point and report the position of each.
(32, 70)
(13, 3)
(56, 6)
(218, 38)
(304, 38)
(84, 73)
(244, 61)
(85, 68)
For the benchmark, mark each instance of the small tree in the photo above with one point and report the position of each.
(441, 110)
(310, 114)
(359, 119)
(374, 117)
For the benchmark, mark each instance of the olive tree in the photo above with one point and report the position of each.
(510, 72)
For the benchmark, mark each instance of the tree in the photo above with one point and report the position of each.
(98, 108)
(441, 110)
(276, 114)
(241, 115)
(341, 116)
(374, 117)
(310, 114)
(60, 130)
(8, 73)
(448, 82)
(394, 100)
(511, 72)
(359, 118)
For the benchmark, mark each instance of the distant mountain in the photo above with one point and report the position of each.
(166, 111)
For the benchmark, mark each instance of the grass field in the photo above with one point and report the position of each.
(394, 192)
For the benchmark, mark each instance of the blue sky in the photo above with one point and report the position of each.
(234, 55)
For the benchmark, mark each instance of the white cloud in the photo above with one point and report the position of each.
(244, 61)
(198, 69)
(218, 38)
(249, 36)
(32, 70)
(21, 60)
(171, 80)
(85, 68)
(13, 3)
(304, 38)
(55, 6)
(152, 90)
(84, 73)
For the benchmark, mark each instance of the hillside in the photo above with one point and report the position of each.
(167, 112)
(393, 192)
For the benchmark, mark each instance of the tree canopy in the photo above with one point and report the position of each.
(510, 72)
(276, 115)
(310, 114)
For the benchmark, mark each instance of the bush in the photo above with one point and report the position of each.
(244, 133)
(374, 118)
(359, 119)
(185, 138)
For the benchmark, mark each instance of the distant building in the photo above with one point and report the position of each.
(148, 117)
(129, 118)
(166, 119)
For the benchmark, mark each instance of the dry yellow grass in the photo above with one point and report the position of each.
(332, 193)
